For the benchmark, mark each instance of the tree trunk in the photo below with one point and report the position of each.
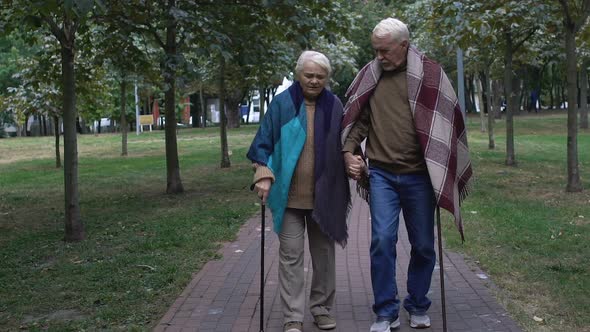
(123, 117)
(508, 93)
(471, 92)
(74, 226)
(57, 153)
(25, 126)
(552, 86)
(174, 184)
(562, 94)
(573, 173)
(43, 125)
(488, 88)
(497, 102)
(517, 92)
(225, 162)
(233, 113)
(249, 103)
(203, 120)
(262, 101)
(196, 110)
(584, 95)
(482, 117)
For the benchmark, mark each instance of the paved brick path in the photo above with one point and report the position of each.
(224, 295)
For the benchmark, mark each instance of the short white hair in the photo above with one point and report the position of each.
(395, 28)
(316, 57)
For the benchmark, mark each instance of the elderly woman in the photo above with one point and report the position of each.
(300, 175)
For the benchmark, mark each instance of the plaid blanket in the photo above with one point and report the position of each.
(438, 121)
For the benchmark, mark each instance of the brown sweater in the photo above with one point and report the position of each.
(388, 125)
(301, 192)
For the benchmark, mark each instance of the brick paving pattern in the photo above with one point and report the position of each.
(224, 295)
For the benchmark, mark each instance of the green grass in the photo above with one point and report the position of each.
(524, 229)
(143, 246)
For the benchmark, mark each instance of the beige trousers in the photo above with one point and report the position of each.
(291, 273)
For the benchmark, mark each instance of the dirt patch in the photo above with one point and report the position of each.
(60, 315)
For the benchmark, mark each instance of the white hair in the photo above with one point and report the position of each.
(315, 57)
(395, 28)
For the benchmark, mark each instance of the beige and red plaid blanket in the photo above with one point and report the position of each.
(438, 120)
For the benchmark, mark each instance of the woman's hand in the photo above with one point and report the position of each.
(262, 188)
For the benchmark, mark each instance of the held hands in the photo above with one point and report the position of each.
(355, 165)
(262, 188)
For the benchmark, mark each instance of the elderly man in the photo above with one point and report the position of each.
(405, 106)
(300, 174)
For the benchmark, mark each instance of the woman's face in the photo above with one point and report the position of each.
(313, 79)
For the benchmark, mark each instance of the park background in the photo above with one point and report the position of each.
(132, 230)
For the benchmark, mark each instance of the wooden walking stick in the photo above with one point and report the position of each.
(441, 270)
(262, 229)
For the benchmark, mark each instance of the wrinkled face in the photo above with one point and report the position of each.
(390, 53)
(313, 79)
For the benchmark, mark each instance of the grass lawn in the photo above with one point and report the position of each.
(143, 246)
(531, 237)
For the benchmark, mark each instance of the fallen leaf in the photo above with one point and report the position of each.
(482, 276)
(146, 266)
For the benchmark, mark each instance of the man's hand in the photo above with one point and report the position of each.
(262, 188)
(355, 165)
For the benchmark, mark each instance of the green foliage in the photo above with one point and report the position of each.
(366, 14)
(342, 54)
(10, 51)
(480, 28)
(4, 120)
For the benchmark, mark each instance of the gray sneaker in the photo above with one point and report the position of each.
(324, 322)
(293, 327)
(384, 325)
(419, 321)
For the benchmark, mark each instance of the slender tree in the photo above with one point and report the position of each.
(63, 20)
(575, 14)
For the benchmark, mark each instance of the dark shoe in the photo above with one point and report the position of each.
(419, 321)
(324, 322)
(293, 327)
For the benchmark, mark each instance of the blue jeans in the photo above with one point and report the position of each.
(389, 193)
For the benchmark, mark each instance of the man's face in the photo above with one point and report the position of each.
(313, 79)
(391, 54)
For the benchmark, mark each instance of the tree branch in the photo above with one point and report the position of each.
(55, 30)
(183, 35)
(149, 29)
(519, 43)
(152, 30)
(566, 12)
(585, 12)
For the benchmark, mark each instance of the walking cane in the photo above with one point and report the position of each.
(441, 269)
(262, 229)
